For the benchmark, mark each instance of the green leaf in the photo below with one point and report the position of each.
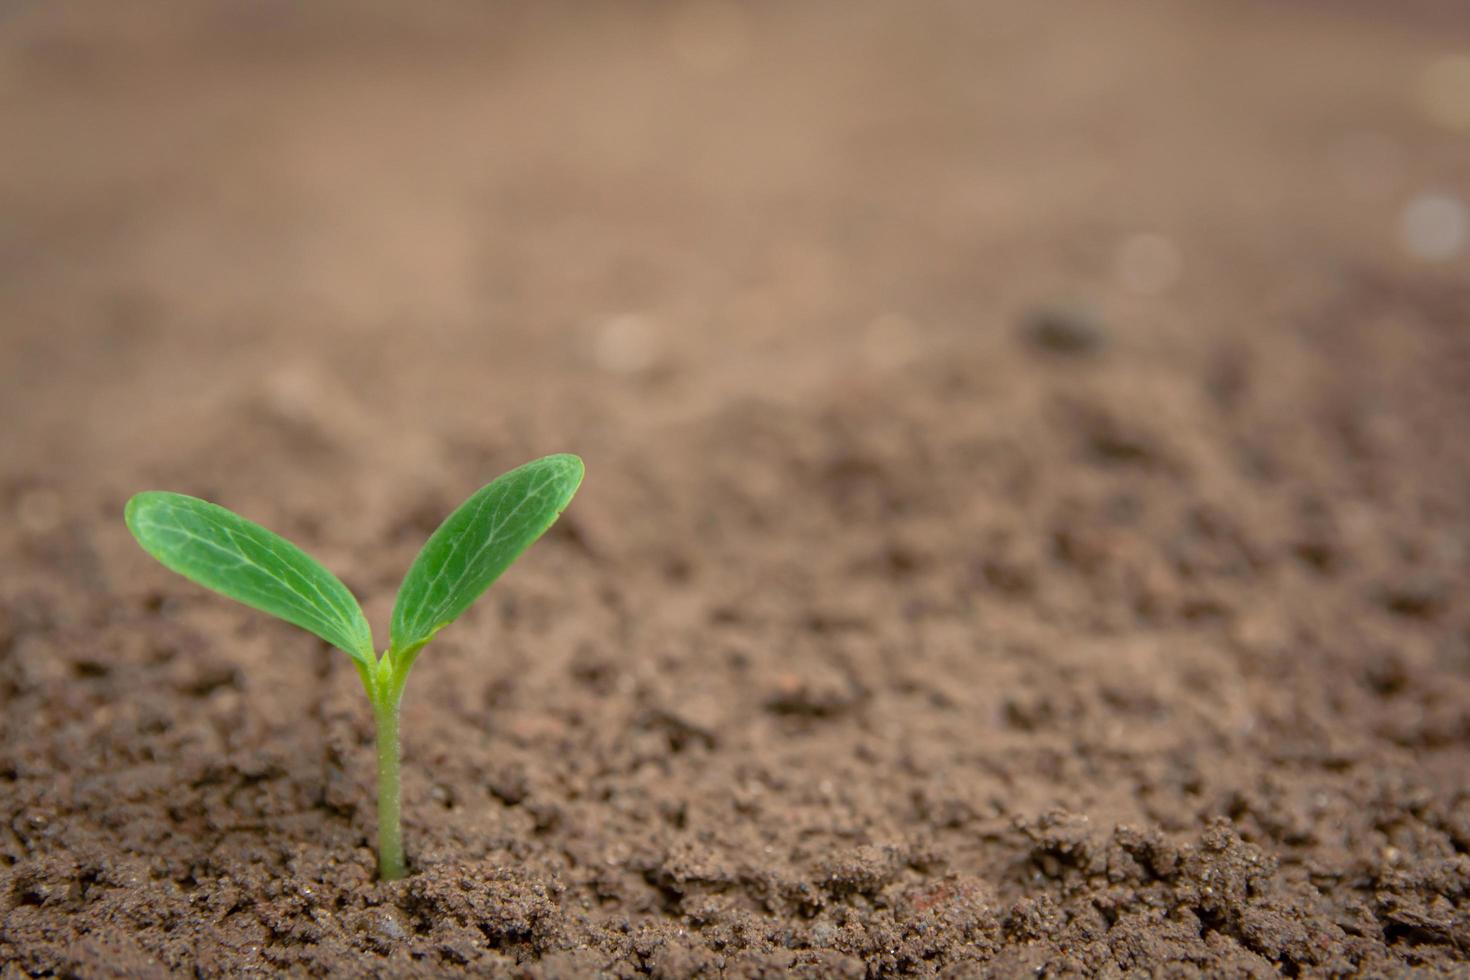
(479, 541)
(222, 551)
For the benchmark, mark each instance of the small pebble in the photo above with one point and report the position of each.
(823, 934)
(1065, 330)
(389, 928)
(1434, 226)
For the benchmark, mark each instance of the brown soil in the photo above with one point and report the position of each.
(937, 602)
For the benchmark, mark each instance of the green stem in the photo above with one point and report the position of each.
(386, 695)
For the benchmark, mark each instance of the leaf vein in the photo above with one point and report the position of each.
(297, 602)
(490, 538)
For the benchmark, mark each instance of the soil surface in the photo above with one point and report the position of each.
(1027, 523)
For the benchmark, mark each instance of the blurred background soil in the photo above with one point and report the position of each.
(1027, 524)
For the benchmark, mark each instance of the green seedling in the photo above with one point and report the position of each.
(222, 551)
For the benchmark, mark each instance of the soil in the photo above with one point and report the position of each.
(962, 584)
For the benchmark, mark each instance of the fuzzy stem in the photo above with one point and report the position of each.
(386, 699)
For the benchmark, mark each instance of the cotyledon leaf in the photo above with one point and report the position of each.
(479, 541)
(222, 551)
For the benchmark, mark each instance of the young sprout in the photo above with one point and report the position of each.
(221, 551)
